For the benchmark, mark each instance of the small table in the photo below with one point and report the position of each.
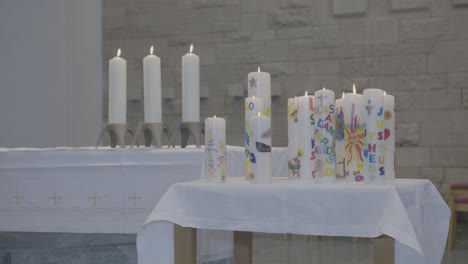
(408, 217)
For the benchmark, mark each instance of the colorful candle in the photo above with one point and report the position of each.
(259, 85)
(260, 162)
(324, 133)
(253, 105)
(339, 138)
(389, 134)
(293, 158)
(190, 87)
(152, 88)
(305, 137)
(354, 136)
(117, 90)
(215, 150)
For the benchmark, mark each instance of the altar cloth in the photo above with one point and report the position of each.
(410, 211)
(87, 190)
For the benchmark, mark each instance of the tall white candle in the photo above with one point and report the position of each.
(339, 138)
(389, 135)
(259, 84)
(324, 135)
(261, 149)
(117, 90)
(215, 150)
(354, 136)
(293, 158)
(152, 88)
(253, 105)
(305, 137)
(190, 87)
(374, 139)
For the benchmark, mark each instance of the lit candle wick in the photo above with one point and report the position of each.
(305, 94)
(118, 53)
(258, 69)
(151, 50)
(214, 116)
(342, 95)
(323, 88)
(191, 48)
(258, 114)
(354, 88)
(384, 92)
(253, 97)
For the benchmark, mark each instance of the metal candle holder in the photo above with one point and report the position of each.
(187, 129)
(117, 134)
(152, 133)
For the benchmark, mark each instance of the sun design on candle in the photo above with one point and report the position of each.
(354, 138)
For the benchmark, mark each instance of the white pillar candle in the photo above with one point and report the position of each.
(117, 90)
(259, 84)
(324, 135)
(152, 88)
(374, 139)
(261, 149)
(339, 139)
(354, 137)
(305, 137)
(253, 105)
(389, 135)
(190, 87)
(215, 150)
(293, 158)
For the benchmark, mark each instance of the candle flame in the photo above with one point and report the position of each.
(384, 92)
(214, 116)
(259, 114)
(305, 94)
(191, 48)
(342, 95)
(354, 88)
(253, 97)
(151, 50)
(118, 53)
(295, 97)
(323, 88)
(258, 69)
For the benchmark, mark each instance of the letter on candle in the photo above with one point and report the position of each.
(253, 105)
(152, 88)
(190, 87)
(117, 90)
(215, 150)
(260, 158)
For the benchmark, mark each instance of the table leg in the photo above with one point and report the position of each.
(185, 245)
(384, 250)
(242, 247)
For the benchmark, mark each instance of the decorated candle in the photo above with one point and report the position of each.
(339, 139)
(374, 136)
(260, 151)
(259, 84)
(117, 90)
(253, 105)
(190, 87)
(354, 136)
(152, 88)
(389, 134)
(305, 137)
(215, 150)
(293, 158)
(324, 109)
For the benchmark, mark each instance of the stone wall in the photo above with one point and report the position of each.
(414, 49)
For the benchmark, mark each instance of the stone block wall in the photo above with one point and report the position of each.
(414, 49)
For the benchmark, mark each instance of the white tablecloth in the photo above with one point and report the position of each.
(410, 211)
(91, 190)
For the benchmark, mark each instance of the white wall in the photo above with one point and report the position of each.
(50, 73)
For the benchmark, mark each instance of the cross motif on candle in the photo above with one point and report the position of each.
(369, 107)
(55, 198)
(18, 198)
(134, 198)
(253, 82)
(321, 97)
(94, 198)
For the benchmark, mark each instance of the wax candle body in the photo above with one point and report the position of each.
(117, 90)
(260, 150)
(354, 137)
(305, 137)
(324, 135)
(339, 139)
(190, 88)
(389, 133)
(215, 150)
(253, 105)
(374, 137)
(259, 84)
(152, 89)
(293, 158)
